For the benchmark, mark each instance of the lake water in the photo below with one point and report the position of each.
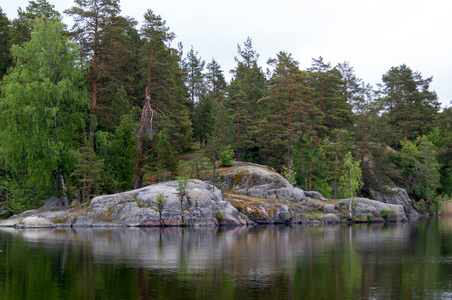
(363, 261)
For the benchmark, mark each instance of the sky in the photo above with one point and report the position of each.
(372, 35)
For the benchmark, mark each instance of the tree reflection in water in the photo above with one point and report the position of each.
(403, 261)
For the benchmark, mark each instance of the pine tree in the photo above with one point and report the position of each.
(289, 107)
(22, 26)
(328, 94)
(246, 88)
(91, 20)
(409, 104)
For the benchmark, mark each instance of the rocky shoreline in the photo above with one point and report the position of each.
(250, 194)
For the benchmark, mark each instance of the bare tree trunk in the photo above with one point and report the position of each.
(94, 84)
(5, 193)
(63, 189)
(238, 132)
(336, 161)
(214, 164)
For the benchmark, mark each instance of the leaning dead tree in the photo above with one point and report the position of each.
(145, 133)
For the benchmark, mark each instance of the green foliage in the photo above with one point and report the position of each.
(289, 109)
(42, 108)
(247, 86)
(350, 180)
(309, 162)
(420, 167)
(290, 174)
(182, 184)
(323, 187)
(329, 96)
(411, 106)
(438, 203)
(160, 201)
(422, 206)
(220, 216)
(226, 158)
(87, 172)
(119, 152)
(163, 158)
(388, 213)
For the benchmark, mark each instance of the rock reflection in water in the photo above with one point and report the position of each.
(309, 262)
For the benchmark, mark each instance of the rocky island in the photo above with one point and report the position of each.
(250, 194)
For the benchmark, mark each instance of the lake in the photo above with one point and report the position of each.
(410, 260)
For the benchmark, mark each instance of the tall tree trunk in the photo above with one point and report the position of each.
(363, 150)
(5, 193)
(336, 161)
(214, 164)
(94, 84)
(238, 132)
(63, 188)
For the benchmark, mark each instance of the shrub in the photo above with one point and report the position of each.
(226, 158)
(387, 213)
(182, 184)
(160, 201)
(422, 206)
(220, 216)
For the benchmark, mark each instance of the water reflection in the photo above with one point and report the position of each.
(367, 261)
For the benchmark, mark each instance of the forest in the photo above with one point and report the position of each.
(108, 106)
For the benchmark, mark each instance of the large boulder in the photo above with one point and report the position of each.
(3, 212)
(399, 196)
(315, 195)
(366, 210)
(259, 181)
(35, 222)
(53, 203)
(202, 204)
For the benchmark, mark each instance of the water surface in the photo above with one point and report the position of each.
(368, 261)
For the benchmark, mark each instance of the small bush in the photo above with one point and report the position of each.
(160, 201)
(422, 206)
(387, 213)
(290, 174)
(220, 216)
(438, 203)
(182, 184)
(226, 158)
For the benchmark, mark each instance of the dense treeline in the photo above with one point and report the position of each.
(105, 107)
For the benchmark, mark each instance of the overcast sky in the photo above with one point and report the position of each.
(372, 35)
